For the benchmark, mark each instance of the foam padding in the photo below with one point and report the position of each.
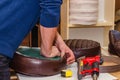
(34, 52)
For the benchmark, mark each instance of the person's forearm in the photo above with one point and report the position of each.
(59, 40)
(48, 36)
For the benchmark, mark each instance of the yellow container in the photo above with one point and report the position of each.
(66, 73)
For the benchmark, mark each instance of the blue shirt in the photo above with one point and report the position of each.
(18, 17)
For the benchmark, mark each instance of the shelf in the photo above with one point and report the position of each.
(105, 22)
(99, 24)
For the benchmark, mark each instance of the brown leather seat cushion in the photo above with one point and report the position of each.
(29, 61)
(114, 42)
(84, 47)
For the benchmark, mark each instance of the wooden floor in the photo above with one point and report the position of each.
(106, 53)
(13, 75)
(116, 74)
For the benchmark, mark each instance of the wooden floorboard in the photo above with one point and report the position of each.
(13, 75)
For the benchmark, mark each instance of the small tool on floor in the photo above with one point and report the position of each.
(89, 65)
(66, 73)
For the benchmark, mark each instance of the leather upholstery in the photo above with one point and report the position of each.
(36, 66)
(84, 47)
(114, 42)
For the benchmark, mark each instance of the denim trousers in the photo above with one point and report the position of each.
(4, 68)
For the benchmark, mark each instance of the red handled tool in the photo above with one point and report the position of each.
(89, 65)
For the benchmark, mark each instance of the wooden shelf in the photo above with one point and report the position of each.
(100, 24)
(107, 21)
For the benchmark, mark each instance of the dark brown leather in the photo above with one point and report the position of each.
(114, 42)
(37, 67)
(84, 47)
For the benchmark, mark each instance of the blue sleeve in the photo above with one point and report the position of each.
(50, 13)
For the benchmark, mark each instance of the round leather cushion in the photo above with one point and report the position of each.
(84, 47)
(29, 61)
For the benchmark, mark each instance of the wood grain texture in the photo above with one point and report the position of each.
(13, 75)
(105, 52)
(117, 4)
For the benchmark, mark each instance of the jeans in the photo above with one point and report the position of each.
(4, 68)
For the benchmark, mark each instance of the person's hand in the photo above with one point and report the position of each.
(48, 36)
(55, 52)
(64, 49)
(51, 53)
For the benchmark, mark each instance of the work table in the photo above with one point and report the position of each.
(72, 67)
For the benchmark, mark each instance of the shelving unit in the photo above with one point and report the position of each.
(97, 32)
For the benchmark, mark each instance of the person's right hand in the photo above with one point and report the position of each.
(55, 52)
(52, 53)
